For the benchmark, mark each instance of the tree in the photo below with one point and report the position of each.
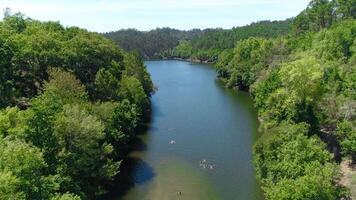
(301, 23)
(132, 90)
(317, 184)
(22, 165)
(293, 166)
(335, 43)
(346, 133)
(66, 196)
(65, 86)
(250, 57)
(10, 187)
(320, 14)
(264, 87)
(346, 8)
(183, 50)
(135, 67)
(124, 123)
(83, 156)
(303, 77)
(107, 85)
(7, 76)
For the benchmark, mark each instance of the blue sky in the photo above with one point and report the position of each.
(109, 15)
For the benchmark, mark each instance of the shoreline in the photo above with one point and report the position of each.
(193, 60)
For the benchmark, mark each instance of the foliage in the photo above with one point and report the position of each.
(303, 85)
(76, 93)
(293, 166)
(149, 44)
(21, 165)
(346, 133)
(83, 157)
(250, 57)
(208, 46)
(66, 196)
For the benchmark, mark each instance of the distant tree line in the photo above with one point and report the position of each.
(206, 43)
(207, 47)
(150, 43)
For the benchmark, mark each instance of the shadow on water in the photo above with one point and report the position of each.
(133, 170)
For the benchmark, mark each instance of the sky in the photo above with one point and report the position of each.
(111, 15)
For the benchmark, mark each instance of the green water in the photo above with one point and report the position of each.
(193, 119)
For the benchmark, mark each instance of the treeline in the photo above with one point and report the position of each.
(76, 100)
(203, 45)
(150, 43)
(207, 47)
(304, 86)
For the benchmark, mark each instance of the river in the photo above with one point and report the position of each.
(198, 145)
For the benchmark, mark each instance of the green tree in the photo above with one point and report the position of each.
(84, 156)
(66, 196)
(303, 77)
(320, 14)
(10, 187)
(65, 86)
(107, 85)
(23, 166)
(346, 8)
(346, 133)
(250, 57)
(293, 166)
(124, 123)
(7, 77)
(132, 90)
(135, 67)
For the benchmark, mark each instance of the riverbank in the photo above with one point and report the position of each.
(192, 60)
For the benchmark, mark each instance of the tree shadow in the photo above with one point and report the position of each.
(133, 170)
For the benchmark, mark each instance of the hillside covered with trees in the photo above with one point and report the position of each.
(303, 85)
(70, 101)
(207, 47)
(150, 43)
(206, 43)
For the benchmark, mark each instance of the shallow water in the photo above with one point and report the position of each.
(199, 143)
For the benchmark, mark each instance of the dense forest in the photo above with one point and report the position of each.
(150, 43)
(206, 44)
(207, 47)
(70, 101)
(303, 85)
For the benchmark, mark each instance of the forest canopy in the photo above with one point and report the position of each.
(303, 85)
(167, 42)
(70, 101)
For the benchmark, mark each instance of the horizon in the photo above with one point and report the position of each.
(107, 15)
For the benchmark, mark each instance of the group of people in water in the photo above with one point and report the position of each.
(206, 165)
(203, 163)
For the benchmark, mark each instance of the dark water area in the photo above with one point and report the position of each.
(198, 145)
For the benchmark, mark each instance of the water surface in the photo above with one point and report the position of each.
(199, 143)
